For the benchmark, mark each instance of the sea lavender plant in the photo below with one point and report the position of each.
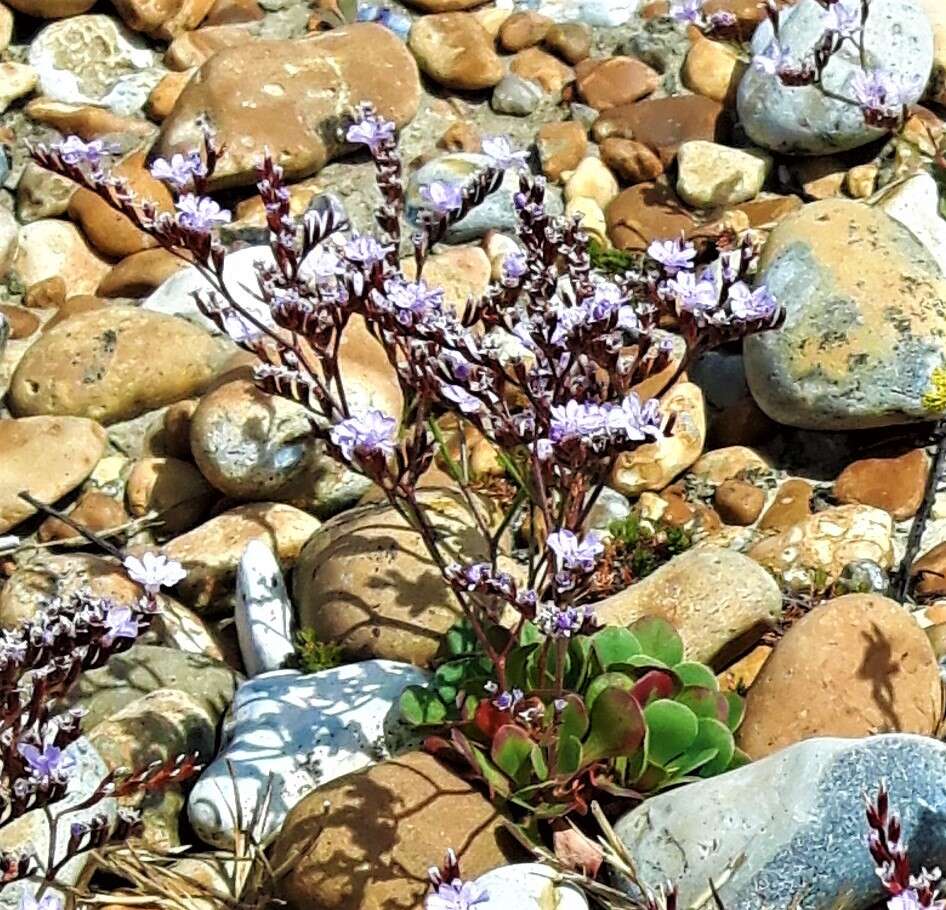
(39, 663)
(546, 365)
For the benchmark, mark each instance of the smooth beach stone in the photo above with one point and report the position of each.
(718, 600)
(850, 647)
(301, 94)
(264, 617)
(94, 59)
(898, 39)
(106, 691)
(516, 96)
(497, 211)
(789, 830)
(915, 204)
(865, 321)
(51, 248)
(528, 886)
(455, 51)
(304, 730)
(114, 364)
(365, 841)
(605, 13)
(47, 457)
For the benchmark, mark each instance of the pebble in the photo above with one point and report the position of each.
(855, 285)
(164, 95)
(738, 503)
(730, 463)
(9, 240)
(94, 511)
(713, 69)
(89, 122)
(455, 51)
(50, 247)
(570, 40)
(516, 96)
(561, 147)
(94, 59)
(653, 465)
(823, 544)
(711, 175)
(6, 28)
(592, 216)
(110, 232)
(193, 49)
(604, 83)
(915, 204)
(211, 552)
(106, 691)
(604, 13)
(21, 322)
(522, 30)
(46, 456)
(632, 161)
(16, 81)
(264, 615)
(802, 119)
(48, 9)
(140, 274)
(163, 21)
(541, 67)
(114, 364)
(791, 506)
(41, 194)
(763, 832)
(33, 827)
(592, 180)
(718, 600)
(172, 489)
(303, 732)
(664, 124)
(382, 828)
(366, 582)
(930, 572)
(299, 90)
(528, 886)
(849, 646)
(896, 485)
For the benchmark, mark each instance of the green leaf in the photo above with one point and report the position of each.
(573, 719)
(421, 707)
(461, 639)
(671, 730)
(714, 734)
(641, 662)
(704, 702)
(578, 664)
(614, 645)
(692, 673)
(617, 726)
(737, 710)
(539, 764)
(606, 681)
(692, 759)
(569, 755)
(512, 751)
(658, 639)
(739, 759)
(490, 773)
(530, 634)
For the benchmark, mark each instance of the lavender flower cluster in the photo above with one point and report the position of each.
(881, 95)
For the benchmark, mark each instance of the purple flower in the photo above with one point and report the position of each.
(47, 902)
(607, 298)
(47, 764)
(467, 403)
(371, 433)
(674, 255)
(693, 295)
(74, 151)
(200, 213)
(573, 420)
(372, 131)
(120, 622)
(456, 895)
(322, 264)
(687, 11)
(722, 18)
(365, 250)
(412, 300)
(505, 701)
(502, 155)
(565, 623)
(905, 900)
(752, 305)
(154, 571)
(637, 421)
(572, 553)
(882, 95)
(442, 197)
(845, 18)
(180, 171)
(514, 267)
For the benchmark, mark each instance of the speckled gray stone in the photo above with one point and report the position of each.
(515, 95)
(865, 326)
(497, 211)
(802, 119)
(790, 830)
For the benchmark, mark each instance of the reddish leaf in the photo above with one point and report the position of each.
(654, 684)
